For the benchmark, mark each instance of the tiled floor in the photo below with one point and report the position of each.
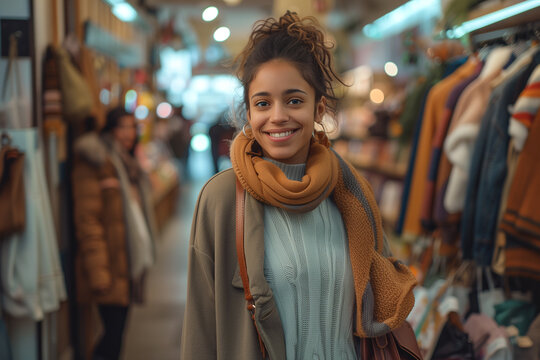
(154, 329)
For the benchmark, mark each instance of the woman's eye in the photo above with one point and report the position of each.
(261, 103)
(295, 101)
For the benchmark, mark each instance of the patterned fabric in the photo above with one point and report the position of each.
(383, 286)
(524, 110)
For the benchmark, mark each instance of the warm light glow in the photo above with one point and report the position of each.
(222, 34)
(210, 13)
(164, 110)
(232, 2)
(124, 12)
(376, 95)
(359, 79)
(391, 69)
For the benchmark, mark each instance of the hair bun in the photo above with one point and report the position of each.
(300, 40)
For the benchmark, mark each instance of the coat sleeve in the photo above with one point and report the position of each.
(199, 328)
(89, 228)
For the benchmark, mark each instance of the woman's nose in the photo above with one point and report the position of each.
(279, 113)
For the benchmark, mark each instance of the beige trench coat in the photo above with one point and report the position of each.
(217, 324)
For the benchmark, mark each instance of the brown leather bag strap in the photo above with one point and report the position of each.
(240, 210)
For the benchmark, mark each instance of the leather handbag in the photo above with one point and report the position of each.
(398, 344)
(12, 197)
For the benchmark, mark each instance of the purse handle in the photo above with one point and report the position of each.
(240, 207)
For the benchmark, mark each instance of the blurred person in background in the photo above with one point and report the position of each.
(114, 226)
(180, 137)
(221, 135)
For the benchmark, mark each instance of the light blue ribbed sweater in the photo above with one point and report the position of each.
(308, 268)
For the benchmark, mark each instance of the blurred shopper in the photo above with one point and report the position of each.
(221, 134)
(315, 254)
(114, 226)
(180, 137)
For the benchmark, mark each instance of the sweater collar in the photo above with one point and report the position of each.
(292, 171)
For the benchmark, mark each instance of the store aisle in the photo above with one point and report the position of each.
(154, 330)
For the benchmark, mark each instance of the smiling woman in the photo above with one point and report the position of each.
(316, 269)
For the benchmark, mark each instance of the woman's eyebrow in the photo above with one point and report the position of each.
(262, 93)
(291, 91)
(286, 92)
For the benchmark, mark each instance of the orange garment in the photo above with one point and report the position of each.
(433, 113)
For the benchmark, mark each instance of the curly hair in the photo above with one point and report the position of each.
(298, 40)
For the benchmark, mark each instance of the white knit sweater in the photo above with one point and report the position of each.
(308, 268)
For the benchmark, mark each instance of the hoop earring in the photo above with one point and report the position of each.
(244, 131)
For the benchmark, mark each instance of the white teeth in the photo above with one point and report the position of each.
(280, 135)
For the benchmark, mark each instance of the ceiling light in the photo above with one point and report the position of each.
(222, 34)
(210, 13)
(391, 69)
(124, 12)
(492, 18)
(407, 15)
(232, 2)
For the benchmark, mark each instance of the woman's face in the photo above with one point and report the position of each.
(126, 132)
(282, 111)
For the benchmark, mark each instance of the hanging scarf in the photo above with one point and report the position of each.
(383, 286)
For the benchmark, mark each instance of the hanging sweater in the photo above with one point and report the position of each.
(308, 268)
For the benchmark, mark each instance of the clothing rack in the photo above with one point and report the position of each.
(506, 36)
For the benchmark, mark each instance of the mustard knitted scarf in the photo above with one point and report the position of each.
(383, 286)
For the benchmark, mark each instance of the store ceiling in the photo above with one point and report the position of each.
(344, 15)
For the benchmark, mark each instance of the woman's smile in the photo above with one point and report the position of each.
(280, 135)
